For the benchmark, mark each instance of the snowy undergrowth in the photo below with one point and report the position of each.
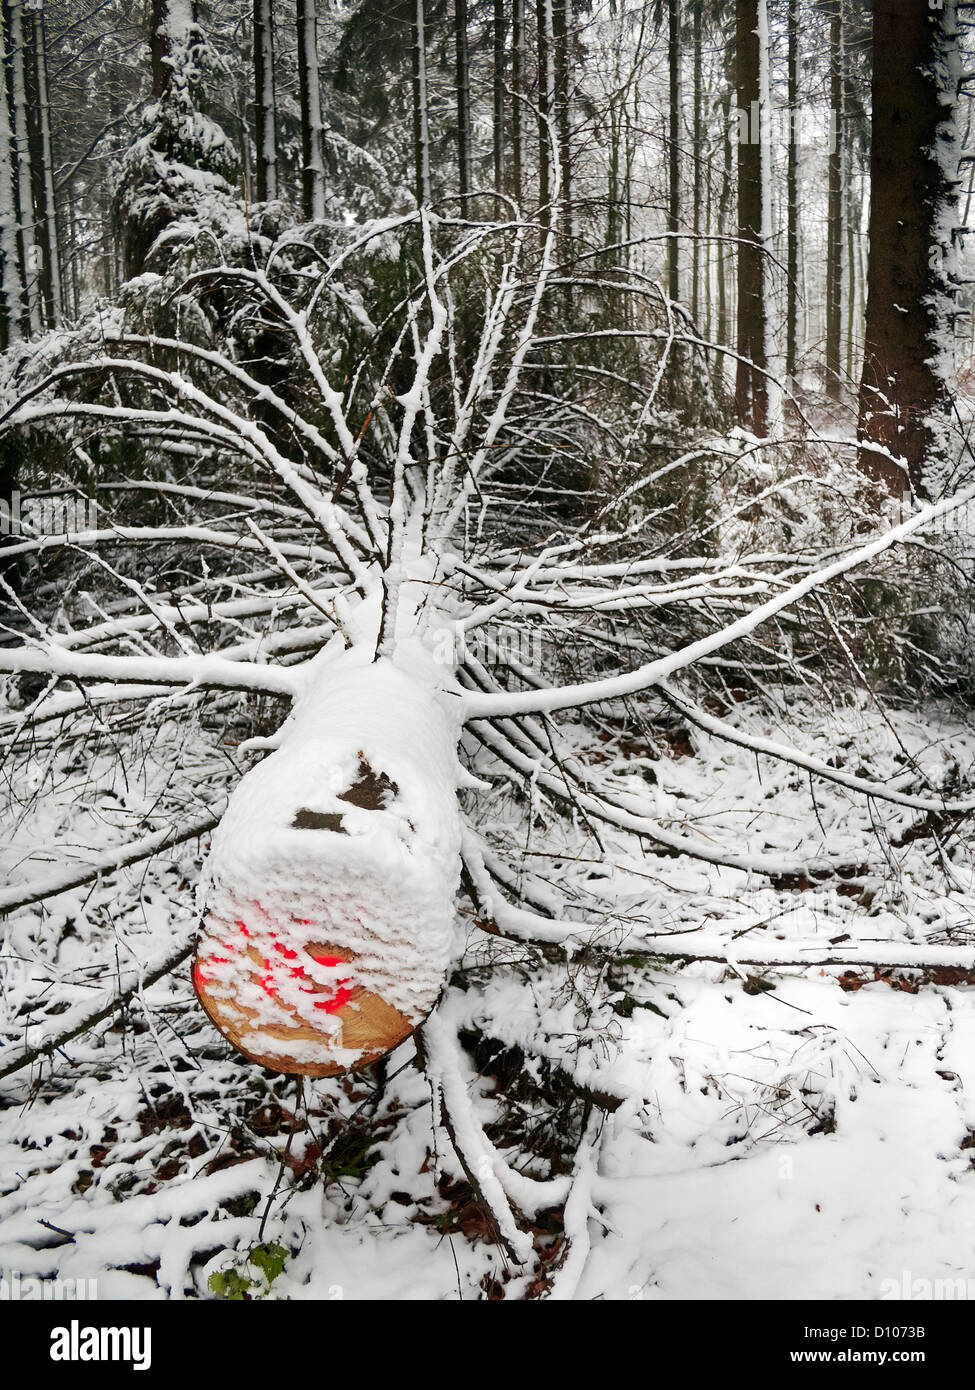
(803, 1132)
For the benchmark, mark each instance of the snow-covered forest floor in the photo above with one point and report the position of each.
(802, 1132)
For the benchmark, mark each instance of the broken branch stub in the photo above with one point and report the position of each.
(328, 900)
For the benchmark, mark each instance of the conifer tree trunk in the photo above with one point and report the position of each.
(543, 17)
(698, 162)
(724, 202)
(834, 214)
(904, 395)
(312, 149)
(462, 85)
(11, 322)
(42, 167)
(17, 77)
(497, 134)
(673, 154)
(265, 106)
(517, 78)
(792, 199)
(421, 127)
(751, 386)
(560, 71)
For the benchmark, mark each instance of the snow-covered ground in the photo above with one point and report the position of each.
(807, 1132)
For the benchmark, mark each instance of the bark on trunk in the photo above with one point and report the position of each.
(463, 94)
(265, 106)
(312, 150)
(543, 18)
(834, 214)
(792, 200)
(673, 150)
(498, 34)
(698, 165)
(12, 284)
(421, 126)
(17, 77)
(904, 396)
(42, 169)
(561, 67)
(751, 387)
(517, 79)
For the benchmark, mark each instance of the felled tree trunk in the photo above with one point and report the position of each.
(328, 900)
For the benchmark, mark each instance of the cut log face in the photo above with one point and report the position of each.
(328, 920)
(368, 1024)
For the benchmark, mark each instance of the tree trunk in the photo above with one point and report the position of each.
(834, 214)
(792, 200)
(421, 116)
(462, 86)
(312, 150)
(265, 106)
(517, 78)
(698, 165)
(42, 169)
(543, 17)
(17, 74)
(751, 385)
(904, 397)
(560, 70)
(721, 266)
(330, 885)
(158, 47)
(11, 324)
(497, 133)
(673, 151)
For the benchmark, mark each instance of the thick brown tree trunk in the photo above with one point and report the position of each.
(904, 396)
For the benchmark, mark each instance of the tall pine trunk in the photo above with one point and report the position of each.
(721, 265)
(462, 86)
(698, 165)
(673, 150)
(11, 321)
(517, 80)
(42, 168)
(792, 200)
(497, 133)
(904, 395)
(834, 212)
(546, 81)
(751, 384)
(265, 106)
(560, 70)
(312, 147)
(421, 113)
(17, 77)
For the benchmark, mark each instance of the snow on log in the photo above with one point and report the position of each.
(328, 898)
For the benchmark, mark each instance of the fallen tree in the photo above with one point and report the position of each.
(393, 613)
